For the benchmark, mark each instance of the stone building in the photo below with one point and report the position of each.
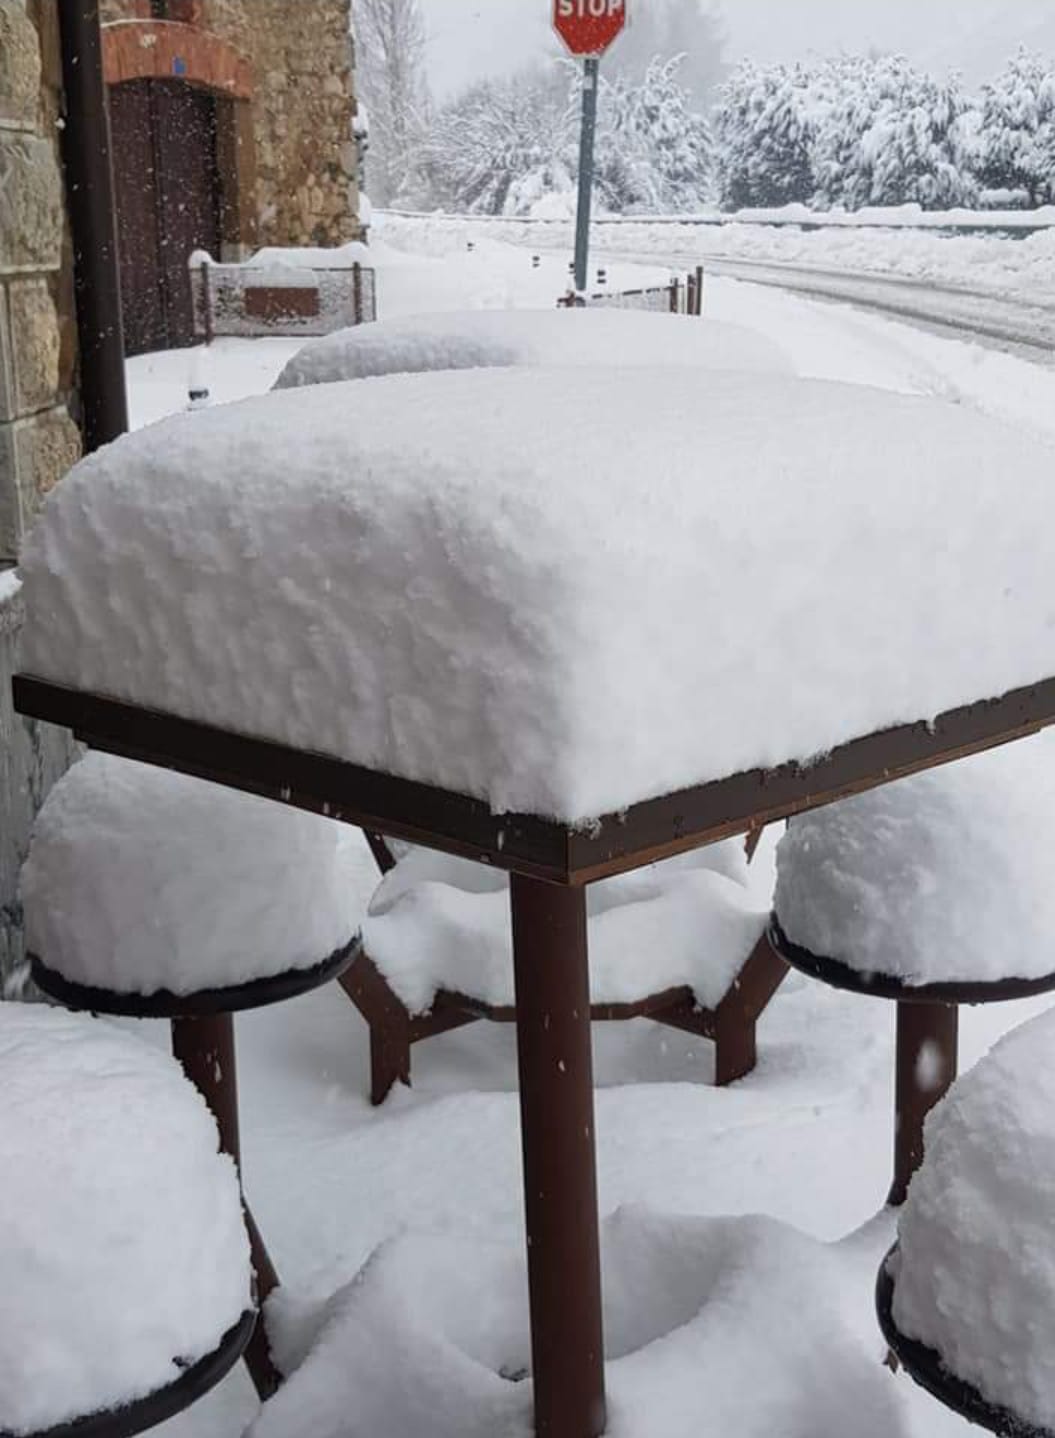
(39, 439)
(232, 124)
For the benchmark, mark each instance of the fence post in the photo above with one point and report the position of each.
(357, 290)
(206, 299)
(699, 291)
(675, 288)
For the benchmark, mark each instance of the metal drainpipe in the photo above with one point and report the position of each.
(90, 200)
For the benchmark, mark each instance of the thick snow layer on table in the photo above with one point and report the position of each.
(943, 876)
(975, 1276)
(478, 339)
(122, 1246)
(443, 923)
(560, 597)
(139, 879)
(742, 1325)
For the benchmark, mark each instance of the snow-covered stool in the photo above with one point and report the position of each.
(966, 1298)
(932, 892)
(156, 895)
(681, 943)
(126, 1289)
(502, 339)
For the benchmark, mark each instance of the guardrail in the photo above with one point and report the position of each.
(252, 300)
(680, 297)
(1016, 224)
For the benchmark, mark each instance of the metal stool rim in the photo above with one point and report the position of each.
(165, 1403)
(163, 1004)
(925, 1366)
(839, 975)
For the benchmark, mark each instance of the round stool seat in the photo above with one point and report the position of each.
(163, 1004)
(840, 975)
(165, 1403)
(148, 892)
(927, 1368)
(126, 1287)
(931, 888)
(968, 1294)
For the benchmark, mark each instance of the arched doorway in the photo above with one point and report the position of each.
(183, 166)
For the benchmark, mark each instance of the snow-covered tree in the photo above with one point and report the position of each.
(654, 150)
(390, 54)
(664, 28)
(1014, 144)
(885, 133)
(763, 137)
(502, 144)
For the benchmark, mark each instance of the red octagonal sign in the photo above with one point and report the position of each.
(588, 27)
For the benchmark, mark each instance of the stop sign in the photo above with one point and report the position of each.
(588, 27)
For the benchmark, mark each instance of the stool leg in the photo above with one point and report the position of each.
(204, 1048)
(927, 1053)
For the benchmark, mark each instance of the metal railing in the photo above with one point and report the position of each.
(680, 297)
(252, 300)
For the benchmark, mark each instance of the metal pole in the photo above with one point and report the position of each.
(590, 80)
(204, 1049)
(927, 1052)
(90, 197)
(557, 1135)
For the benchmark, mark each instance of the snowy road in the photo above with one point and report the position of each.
(1004, 321)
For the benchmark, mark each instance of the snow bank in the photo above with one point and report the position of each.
(943, 876)
(559, 596)
(139, 879)
(1022, 268)
(443, 923)
(975, 1276)
(10, 584)
(122, 1244)
(493, 338)
(432, 1337)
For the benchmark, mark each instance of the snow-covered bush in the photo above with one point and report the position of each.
(764, 138)
(1014, 146)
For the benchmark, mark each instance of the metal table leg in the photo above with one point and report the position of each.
(560, 1178)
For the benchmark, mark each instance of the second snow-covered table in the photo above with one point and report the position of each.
(567, 623)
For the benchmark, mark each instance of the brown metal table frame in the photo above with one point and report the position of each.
(550, 863)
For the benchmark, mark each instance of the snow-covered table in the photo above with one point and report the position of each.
(566, 623)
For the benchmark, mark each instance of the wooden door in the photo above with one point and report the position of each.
(168, 204)
(136, 185)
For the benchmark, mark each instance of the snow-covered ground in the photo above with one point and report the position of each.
(806, 1139)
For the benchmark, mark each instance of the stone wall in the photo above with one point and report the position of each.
(38, 439)
(304, 171)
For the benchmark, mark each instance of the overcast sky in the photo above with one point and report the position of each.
(472, 38)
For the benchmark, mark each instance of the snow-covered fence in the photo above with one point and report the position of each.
(680, 297)
(279, 298)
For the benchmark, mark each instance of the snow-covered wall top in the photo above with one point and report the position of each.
(561, 590)
(895, 217)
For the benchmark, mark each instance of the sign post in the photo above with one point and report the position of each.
(587, 28)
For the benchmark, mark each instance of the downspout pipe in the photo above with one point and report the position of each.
(93, 224)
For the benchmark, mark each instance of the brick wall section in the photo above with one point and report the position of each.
(144, 50)
(38, 439)
(301, 108)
